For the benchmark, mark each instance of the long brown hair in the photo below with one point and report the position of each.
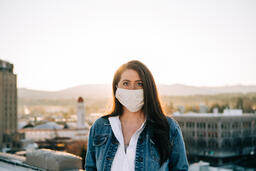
(156, 120)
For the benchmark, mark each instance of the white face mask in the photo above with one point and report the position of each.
(133, 100)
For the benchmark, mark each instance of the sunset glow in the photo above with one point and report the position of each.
(59, 44)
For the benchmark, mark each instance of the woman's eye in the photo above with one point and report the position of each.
(125, 83)
(140, 84)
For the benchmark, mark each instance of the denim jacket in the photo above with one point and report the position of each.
(102, 146)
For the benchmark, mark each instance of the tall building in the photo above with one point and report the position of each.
(8, 104)
(80, 113)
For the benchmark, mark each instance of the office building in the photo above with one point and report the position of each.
(219, 136)
(8, 104)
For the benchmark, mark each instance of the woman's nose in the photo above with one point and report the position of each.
(133, 87)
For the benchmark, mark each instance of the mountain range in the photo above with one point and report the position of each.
(96, 91)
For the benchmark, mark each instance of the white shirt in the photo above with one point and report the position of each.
(124, 161)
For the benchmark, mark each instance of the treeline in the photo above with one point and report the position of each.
(246, 102)
(68, 105)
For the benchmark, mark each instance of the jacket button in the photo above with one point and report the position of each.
(140, 159)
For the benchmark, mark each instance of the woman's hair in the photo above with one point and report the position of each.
(156, 120)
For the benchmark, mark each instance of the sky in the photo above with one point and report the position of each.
(57, 44)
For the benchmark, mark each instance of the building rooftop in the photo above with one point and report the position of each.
(10, 162)
(48, 125)
(191, 114)
(11, 166)
(6, 66)
(205, 166)
(41, 160)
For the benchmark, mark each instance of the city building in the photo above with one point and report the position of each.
(36, 134)
(203, 108)
(41, 160)
(8, 105)
(218, 136)
(181, 109)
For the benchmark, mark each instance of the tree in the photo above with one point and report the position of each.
(239, 103)
(168, 108)
(216, 105)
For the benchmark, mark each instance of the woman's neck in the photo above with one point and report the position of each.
(132, 117)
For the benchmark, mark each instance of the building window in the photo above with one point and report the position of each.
(254, 141)
(235, 125)
(236, 134)
(226, 134)
(212, 125)
(200, 125)
(181, 124)
(213, 144)
(201, 133)
(190, 124)
(246, 124)
(212, 134)
(201, 143)
(247, 141)
(226, 144)
(225, 125)
(247, 132)
(190, 142)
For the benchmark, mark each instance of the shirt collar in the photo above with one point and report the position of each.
(117, 128)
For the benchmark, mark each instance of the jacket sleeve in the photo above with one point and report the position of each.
(178, 158)
(90, 161)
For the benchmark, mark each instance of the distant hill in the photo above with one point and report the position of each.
(104, 91)
(185, 90)
(88, 91)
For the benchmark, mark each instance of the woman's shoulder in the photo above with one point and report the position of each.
(101, 126)
(101, 121)
(172, 121)
(174, 126)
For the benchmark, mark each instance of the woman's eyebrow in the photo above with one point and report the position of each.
(135, 80)
(126, 80)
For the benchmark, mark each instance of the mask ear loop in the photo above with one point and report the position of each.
(116, 87)
(116, 90)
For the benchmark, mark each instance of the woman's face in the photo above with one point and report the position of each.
(130, 79)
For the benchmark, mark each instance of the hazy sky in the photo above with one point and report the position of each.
(59, 44)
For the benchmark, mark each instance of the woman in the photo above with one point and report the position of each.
(136, 135)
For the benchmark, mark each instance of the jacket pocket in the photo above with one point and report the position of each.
(99, 140)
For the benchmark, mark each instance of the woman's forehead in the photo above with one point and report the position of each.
(130, 74)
